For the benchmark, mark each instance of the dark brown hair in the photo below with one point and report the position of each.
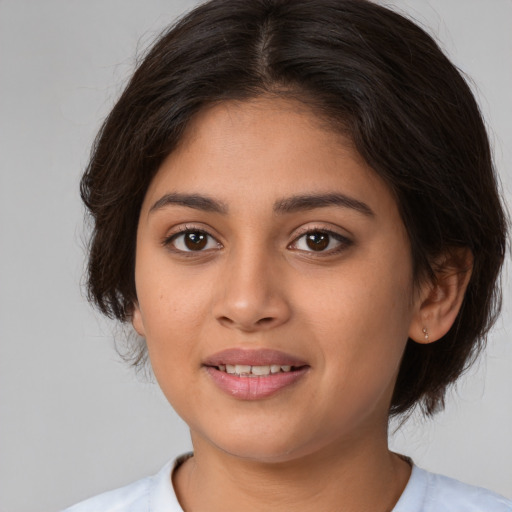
(369, 71)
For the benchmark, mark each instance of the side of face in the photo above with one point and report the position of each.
(264, 230)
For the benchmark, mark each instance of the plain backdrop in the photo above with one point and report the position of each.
(74, 419)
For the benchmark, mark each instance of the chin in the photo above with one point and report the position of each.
(263, 445)
(264, 453)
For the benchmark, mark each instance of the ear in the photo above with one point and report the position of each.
(439, 300)
(137, 321)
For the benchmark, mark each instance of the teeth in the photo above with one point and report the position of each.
(260, 370)
(245, 369)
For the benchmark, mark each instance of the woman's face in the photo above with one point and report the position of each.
(264, 243)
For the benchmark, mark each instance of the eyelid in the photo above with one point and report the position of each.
(182, 230)
(344, 241)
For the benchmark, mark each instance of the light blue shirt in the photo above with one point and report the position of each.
(425, 492)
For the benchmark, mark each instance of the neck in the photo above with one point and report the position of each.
(351, 476)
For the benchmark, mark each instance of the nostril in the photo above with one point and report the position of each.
(225, 320)
(262, 322)
(266, 320)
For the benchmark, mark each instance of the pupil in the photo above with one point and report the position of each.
(195, 241)
(317, 241)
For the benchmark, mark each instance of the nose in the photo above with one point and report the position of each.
(252, 294)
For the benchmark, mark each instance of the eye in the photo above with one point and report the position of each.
(191, 240)
(320, 241)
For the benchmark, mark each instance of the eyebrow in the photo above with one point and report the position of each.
(195, 201)
(281, 206)
(310, 202)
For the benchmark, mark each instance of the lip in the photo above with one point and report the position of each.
(253, 357)
(254, 388)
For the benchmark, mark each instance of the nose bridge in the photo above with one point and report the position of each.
(251, 296)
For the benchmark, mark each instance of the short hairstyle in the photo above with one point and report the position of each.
(373, 75)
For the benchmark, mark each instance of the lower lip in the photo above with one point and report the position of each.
(254, 388)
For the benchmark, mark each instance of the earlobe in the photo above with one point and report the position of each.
(137, 322)
(439, 302)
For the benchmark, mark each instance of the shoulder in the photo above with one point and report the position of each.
(131, 498)
(430, 492)
(445, 490)
(151, 494)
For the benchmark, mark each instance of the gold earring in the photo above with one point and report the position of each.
(425, 332)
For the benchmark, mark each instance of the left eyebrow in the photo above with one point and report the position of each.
(310, 202)
(195, 201)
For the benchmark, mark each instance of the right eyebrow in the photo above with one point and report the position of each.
(195, 201)
(313, 201)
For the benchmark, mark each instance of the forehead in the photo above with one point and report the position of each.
(264, 149)
(264, 124)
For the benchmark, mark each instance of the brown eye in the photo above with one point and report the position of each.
(195, 241)
(191, 240)
(317, 241)
(327, 242)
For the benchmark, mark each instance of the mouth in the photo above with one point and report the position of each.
(244, 370)
(254, 374)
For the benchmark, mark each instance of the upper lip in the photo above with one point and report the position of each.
(253, 357)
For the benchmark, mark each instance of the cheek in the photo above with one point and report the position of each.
(361, 316)
(358, 300)
(172, 301)
(171, 312)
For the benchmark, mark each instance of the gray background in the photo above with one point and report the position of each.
(74, 420)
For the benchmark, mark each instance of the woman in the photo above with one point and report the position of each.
(295, 206)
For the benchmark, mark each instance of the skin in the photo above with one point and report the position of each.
(346, 310)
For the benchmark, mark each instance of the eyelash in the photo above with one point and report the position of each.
(343, 242)
(168, 241)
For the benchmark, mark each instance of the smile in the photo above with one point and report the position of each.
(244, 370)
(254, 374)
